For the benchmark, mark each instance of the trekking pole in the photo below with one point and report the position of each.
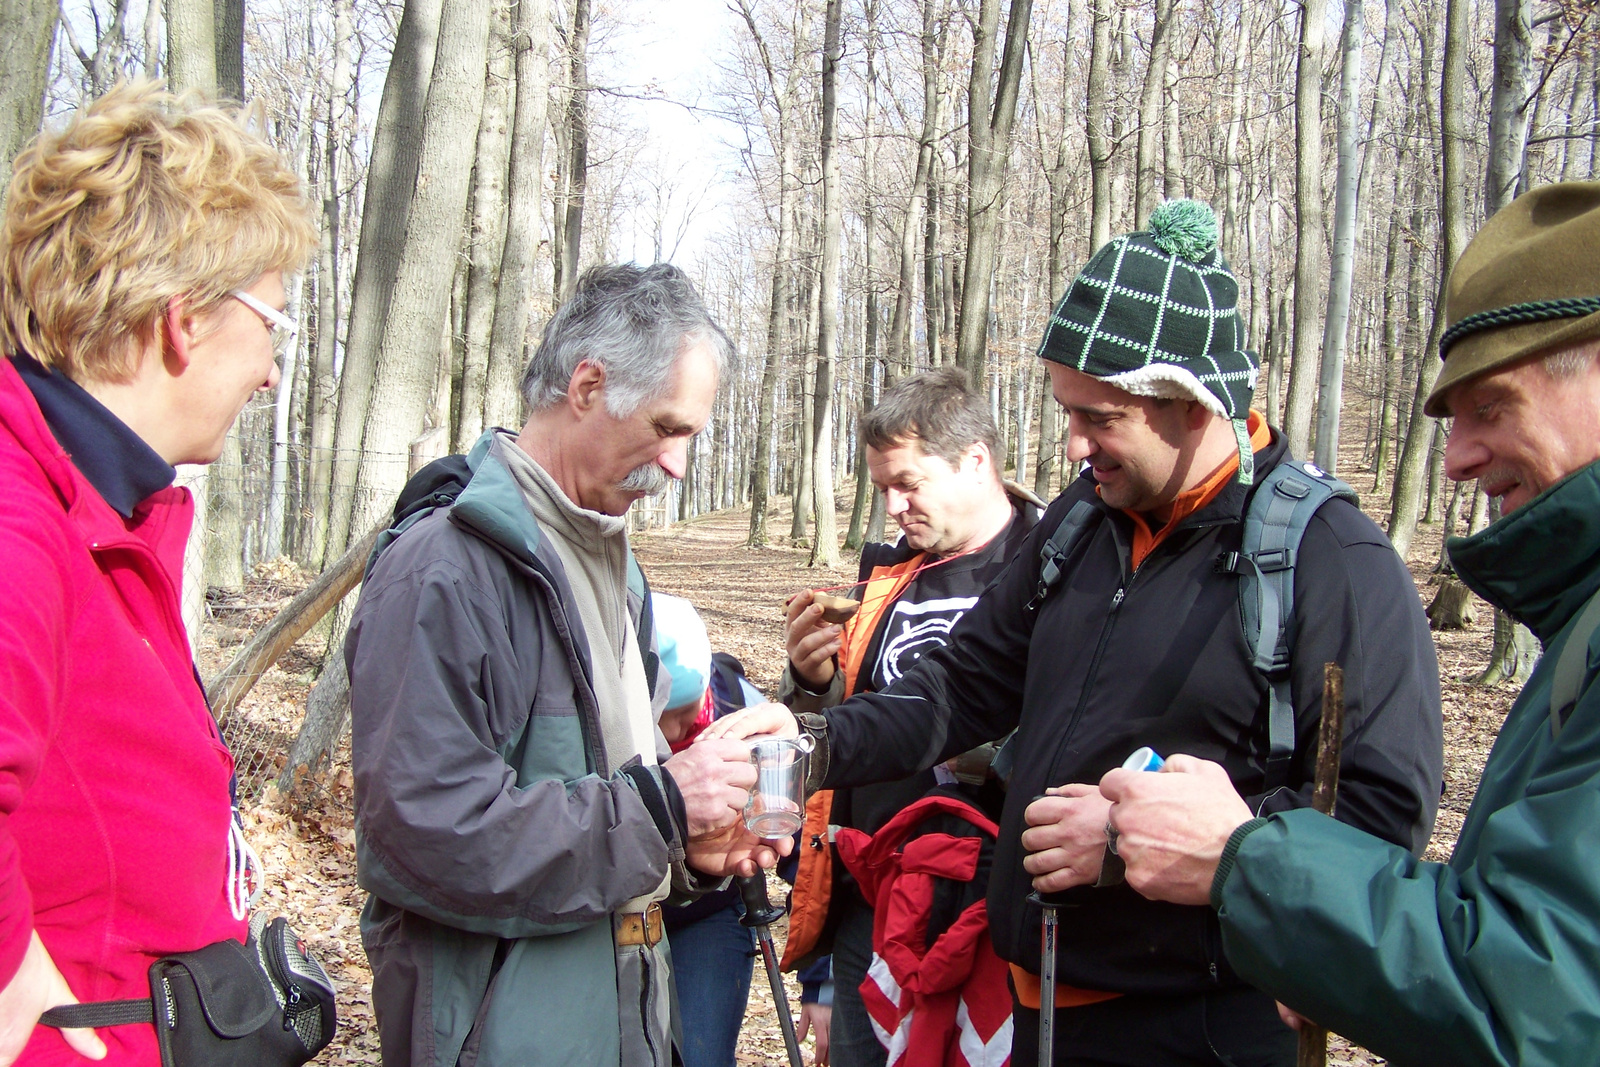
(759, 915)
(1313, 1050)
(1049, 928)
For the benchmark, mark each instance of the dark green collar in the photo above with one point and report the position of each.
(1540, 563)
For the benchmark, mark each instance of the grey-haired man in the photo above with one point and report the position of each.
(518, 818)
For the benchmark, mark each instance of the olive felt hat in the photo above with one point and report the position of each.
(1529, 282)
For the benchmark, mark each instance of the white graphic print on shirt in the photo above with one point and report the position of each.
(913, 630)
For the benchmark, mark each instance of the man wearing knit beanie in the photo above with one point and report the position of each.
(1129, 634)
(1494, 956)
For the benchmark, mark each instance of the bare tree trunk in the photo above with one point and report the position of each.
(1309, 236)
(391, 179)
(1232, 208)
(1573, 154)
(152, 40)
(1412, 339)
(778, 333)
(192, 64)
(1097, 128)
(935, 33)
(408, 366)
(223, 519)
(1430, 513)
(1534, 145)
(1058, 177)
(1508, 102)
(777, 341)
(191, 45)
(932, 273)
(514, 293)
(277, 493)
(486, 240)
(989, 143)
(228, 20)
(1336, 329)
(1388, 428)
(577, 130)
(1409, 475)
(1276, 361)
(825, 546)
(802, 501)
(1174, 184)
(26, 29)
(1515, 650)
(322, 397)
(869, 360)
(1155, 79)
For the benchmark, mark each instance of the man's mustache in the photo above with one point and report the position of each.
(647, 478)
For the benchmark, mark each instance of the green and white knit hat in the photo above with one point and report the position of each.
(1156, 313)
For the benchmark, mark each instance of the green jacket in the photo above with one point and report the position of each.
(1493, 957)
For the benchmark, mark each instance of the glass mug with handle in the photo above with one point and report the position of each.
(777, 805)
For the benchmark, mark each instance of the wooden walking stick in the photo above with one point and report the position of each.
(1314, 1039)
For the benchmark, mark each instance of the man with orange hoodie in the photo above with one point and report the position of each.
(1129, 634)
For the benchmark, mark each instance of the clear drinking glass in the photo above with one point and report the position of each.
(777, 804)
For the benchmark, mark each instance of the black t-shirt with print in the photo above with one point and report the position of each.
(918, 621)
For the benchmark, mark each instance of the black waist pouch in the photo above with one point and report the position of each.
(265, 1003)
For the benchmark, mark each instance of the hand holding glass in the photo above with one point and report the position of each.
(776, 808)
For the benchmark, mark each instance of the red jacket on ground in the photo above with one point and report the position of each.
(114, 784)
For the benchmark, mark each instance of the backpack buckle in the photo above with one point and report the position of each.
(1275, 559)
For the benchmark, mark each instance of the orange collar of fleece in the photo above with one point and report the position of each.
(1192, 500)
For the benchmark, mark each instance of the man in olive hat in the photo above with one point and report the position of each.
(1493, 957)
(1127, 633)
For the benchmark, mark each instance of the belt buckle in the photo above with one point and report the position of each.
(645, 928)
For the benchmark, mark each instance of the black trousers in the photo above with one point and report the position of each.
(1230, 1028)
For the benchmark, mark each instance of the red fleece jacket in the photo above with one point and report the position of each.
(114, 799)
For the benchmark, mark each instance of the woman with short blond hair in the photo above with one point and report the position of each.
(142, 254)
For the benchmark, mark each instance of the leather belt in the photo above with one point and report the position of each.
(640, 927)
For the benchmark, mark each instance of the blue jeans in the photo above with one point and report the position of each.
(711, 966)
(852, 1042)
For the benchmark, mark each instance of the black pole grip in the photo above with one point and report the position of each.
(758, 909)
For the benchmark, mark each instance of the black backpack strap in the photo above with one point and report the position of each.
(1567, 684)
(433, 487)
(99, 1013)
(731, 671)
(1276, 521)
(1077, 521)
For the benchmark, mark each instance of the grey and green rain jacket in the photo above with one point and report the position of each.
(493, 838)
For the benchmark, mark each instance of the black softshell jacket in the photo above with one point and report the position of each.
(1112, 659)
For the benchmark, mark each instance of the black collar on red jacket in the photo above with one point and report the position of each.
(123, 469)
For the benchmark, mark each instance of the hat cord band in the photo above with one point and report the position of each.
(1517, 314)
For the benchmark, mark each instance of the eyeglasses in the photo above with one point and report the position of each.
(282, 327)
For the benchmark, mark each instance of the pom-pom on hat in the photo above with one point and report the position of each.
(1156, 313)
(684, 647)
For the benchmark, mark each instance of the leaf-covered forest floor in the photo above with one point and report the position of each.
(306, 840)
